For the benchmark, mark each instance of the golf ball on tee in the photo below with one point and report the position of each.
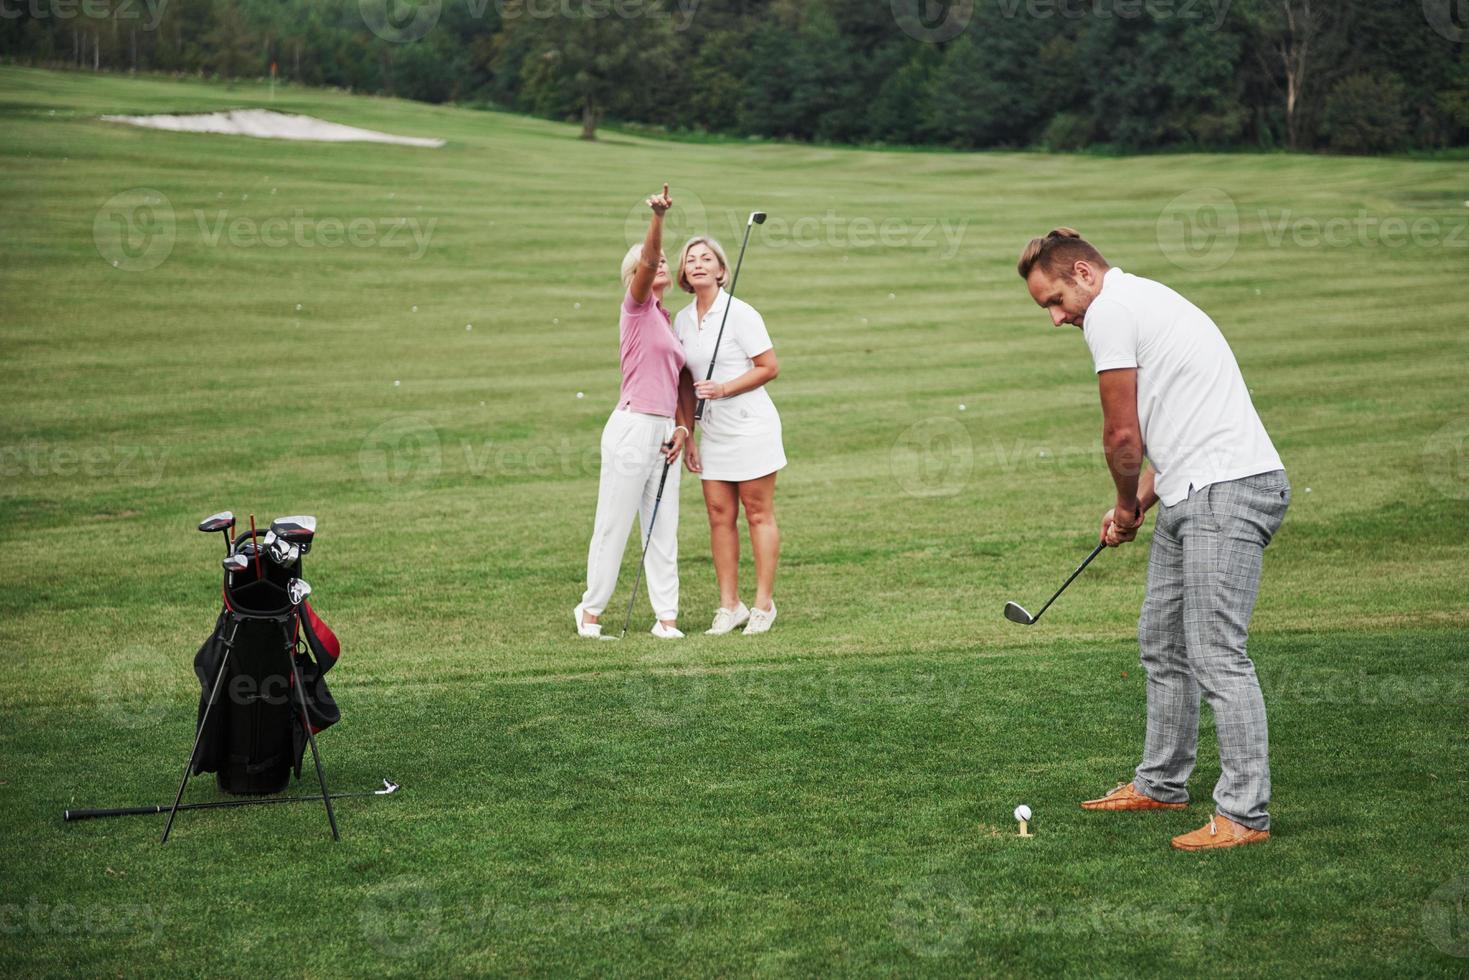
(1022, 812)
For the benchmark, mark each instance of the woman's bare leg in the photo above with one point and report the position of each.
(723, 502)
(758, 497)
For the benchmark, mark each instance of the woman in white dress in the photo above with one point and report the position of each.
(739, 449)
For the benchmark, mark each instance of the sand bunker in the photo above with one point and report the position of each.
(265, 124)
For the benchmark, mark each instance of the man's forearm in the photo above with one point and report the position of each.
(1125, 460)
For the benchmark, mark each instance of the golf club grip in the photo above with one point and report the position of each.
(127, 811)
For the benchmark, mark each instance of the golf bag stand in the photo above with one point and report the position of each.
(253, 740)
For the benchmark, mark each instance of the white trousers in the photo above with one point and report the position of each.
(632, 465)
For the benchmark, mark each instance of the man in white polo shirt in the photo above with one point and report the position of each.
(1179, 428)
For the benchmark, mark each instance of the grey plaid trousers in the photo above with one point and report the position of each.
(1203, 578)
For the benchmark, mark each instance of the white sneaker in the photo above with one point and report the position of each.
(725, 620)
(760, 620)
(665, 632)
(590, 630)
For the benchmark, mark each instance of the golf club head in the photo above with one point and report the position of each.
(237, 562)
(758, 217)
(388, 787)
(300, 529)
(297, 590)
(1015, 613)
(281, 551)
(223, 521)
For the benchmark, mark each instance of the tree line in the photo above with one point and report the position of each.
(1354, 76)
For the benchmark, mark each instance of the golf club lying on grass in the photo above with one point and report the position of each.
(389, 787)
(756, 218)
(626, 620)
(1016, 613)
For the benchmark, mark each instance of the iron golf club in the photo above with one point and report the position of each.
(389, 788)
(638, 580)
(756, 218)
(224, 523)
(297, 590)
(1016, 613)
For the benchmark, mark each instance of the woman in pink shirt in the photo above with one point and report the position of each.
(647, 430)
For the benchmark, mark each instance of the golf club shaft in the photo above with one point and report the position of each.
(1085, 562)
(132, 811)
(638, 580)
(256, 541)
(733, 283)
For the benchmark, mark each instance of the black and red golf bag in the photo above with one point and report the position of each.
(251, 733)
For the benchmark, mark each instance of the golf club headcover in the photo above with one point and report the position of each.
(325, 647)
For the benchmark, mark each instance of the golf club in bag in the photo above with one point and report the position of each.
(263, 694)
(756, 218)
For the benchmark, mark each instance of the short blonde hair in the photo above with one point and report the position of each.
(1057, 254)
(683, 257)
(630, 263)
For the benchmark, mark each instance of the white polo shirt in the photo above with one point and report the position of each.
(745, 338)
(1198, 423)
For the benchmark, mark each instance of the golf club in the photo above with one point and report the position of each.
(297, 590)
(299, 529)
(281, 551)
(638, 580)
(389, 787)
(756, 218)
(258, 573)
(224, 523)
(1016, 613)
(235, 562)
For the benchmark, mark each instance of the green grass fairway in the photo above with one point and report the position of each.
(832, 799)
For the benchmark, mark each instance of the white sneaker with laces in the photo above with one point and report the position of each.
(665, 632)
(725, 620)
(760, 620)
(589, 630)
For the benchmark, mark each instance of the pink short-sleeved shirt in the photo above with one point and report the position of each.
(651, 358)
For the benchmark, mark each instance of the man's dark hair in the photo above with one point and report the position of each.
(1058, 253)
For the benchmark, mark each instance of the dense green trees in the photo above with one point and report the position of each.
(1360, 76)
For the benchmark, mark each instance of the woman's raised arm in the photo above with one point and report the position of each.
(642, 280)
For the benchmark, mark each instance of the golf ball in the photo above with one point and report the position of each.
(1022, 812)
(961, 407)
(468, 327)
(581, 394)
(415, 309)
(396, 383)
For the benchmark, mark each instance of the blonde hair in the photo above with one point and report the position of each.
(1057, 254)
(630, 263)
(683, 257)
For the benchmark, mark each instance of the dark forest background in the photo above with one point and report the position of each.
(1352, 76)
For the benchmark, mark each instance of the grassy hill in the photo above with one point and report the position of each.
(395, 339)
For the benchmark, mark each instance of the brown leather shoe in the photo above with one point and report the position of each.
(1126, 797)
(1219, 832)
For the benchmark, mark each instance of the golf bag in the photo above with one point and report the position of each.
(252, 738)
